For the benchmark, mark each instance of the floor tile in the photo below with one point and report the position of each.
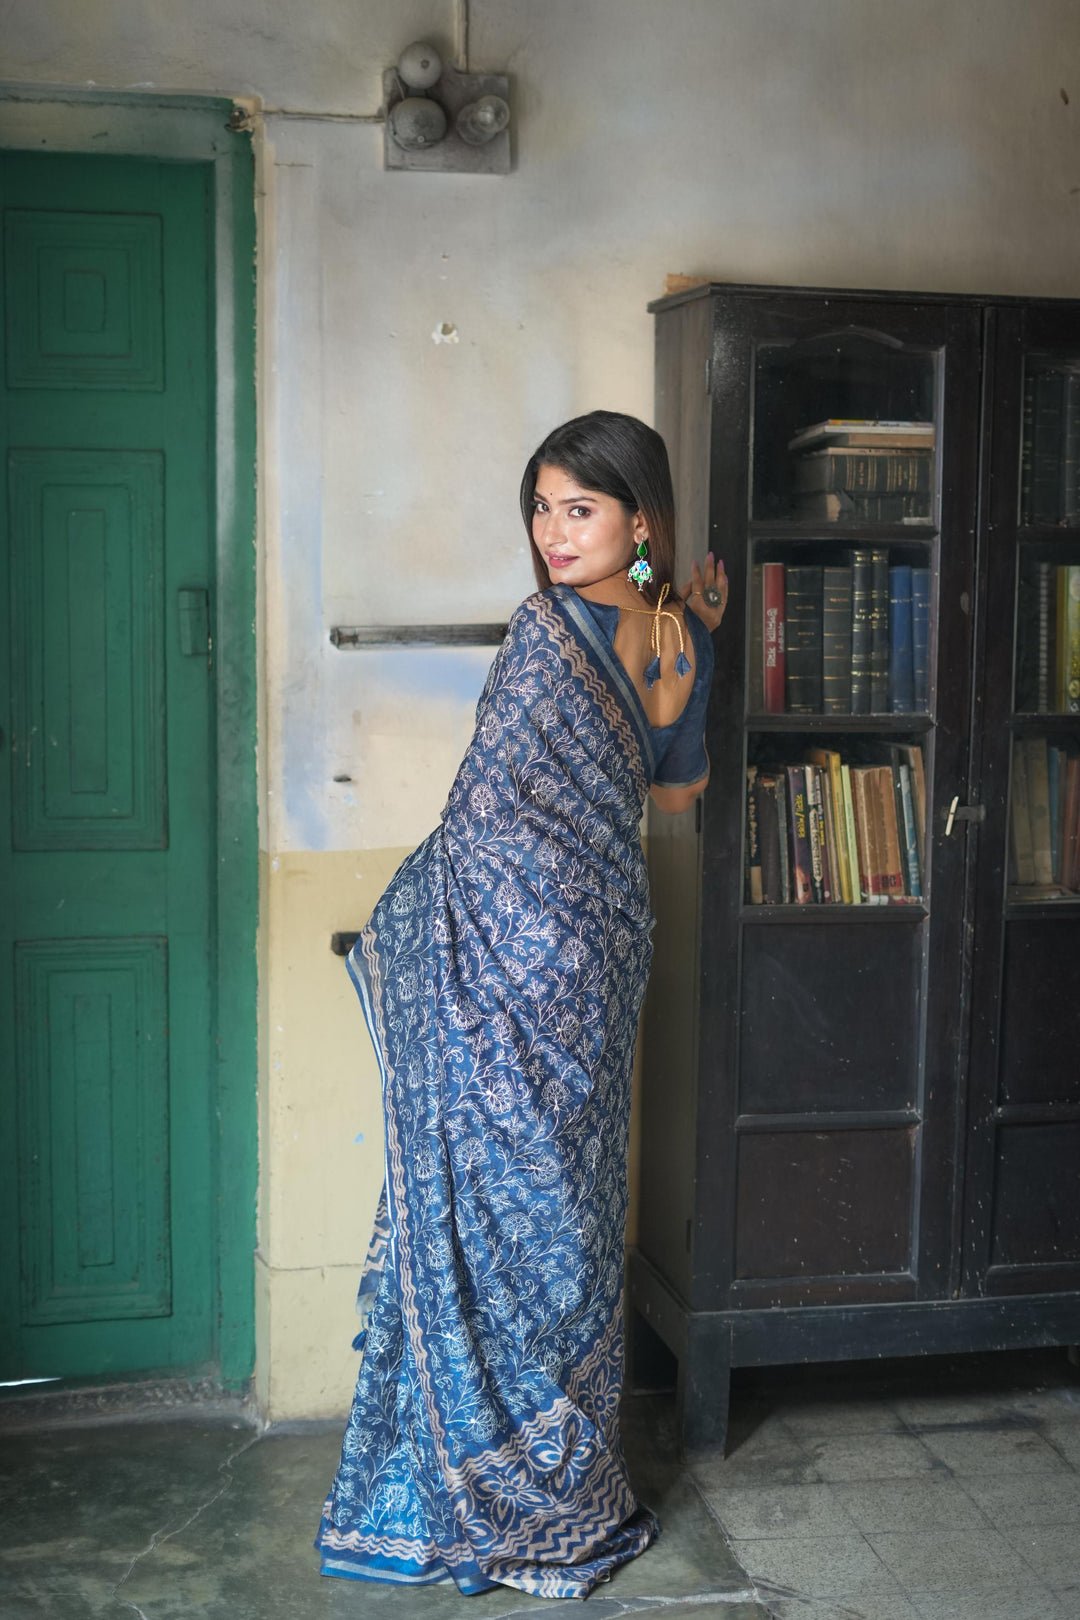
(876, 1607)
(871, 1456)
(949, 1408)
(750, 1511)
(1025, 1499)
(1065, 1438)
(909, 1504)
(935, 1560)
(993, 1451)
(810, 1418)
(815, 1566)
(1031, 1601)
(1053, 1552)
(770, 1455)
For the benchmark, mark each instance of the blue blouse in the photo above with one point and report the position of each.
(680, 747)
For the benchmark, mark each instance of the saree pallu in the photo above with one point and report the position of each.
(501, 976)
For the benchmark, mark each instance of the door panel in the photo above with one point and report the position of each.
(107, 1227)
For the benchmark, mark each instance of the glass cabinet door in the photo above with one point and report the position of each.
(1022, 1230)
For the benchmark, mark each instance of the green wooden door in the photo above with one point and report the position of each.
(106, 1029)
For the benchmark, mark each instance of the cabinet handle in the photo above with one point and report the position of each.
(963, 812)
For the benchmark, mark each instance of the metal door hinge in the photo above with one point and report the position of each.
(963, 812)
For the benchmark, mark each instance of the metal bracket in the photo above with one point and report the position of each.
(963, 812)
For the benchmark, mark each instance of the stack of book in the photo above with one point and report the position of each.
(1057, 638)
(827, 832)
(850, 638)
(1044, 820)
(863, 471)
(1050, 452)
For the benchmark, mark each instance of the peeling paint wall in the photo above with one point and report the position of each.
(883, 143)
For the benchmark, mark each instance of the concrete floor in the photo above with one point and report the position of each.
(930, 1490)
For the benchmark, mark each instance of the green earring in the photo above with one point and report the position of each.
(641, 571)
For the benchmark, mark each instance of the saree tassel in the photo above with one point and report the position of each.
(682, 664)
(652, 672)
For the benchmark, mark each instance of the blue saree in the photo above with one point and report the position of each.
(501, 975)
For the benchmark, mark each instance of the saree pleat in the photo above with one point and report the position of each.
(501, 975)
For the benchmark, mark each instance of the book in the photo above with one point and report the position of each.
(834, 506)
(844, 430)
(816, 834)
(1070, 825)
(1043, 636)
(879, 631)
(860, 631)
(803, 638)
(802, 891)
(920, 639)
(783, 838)
(836, 584)
(865, 843)
(1038, 791)
(1069, 647)
(753, 847)
(849, 831)
(755, 675)
(1021, 848)
(901, 680)
(833, 883)
(1056, 778)
(830, 764)
(1046, 446)
(911, 847)
(1070, 450)
(769, 827)
(773, 637)
(883, 797)
(859, 470)
(912, 756)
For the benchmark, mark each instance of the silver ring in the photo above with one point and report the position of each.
(712, 596)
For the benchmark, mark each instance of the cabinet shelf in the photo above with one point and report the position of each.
(1051, 725)
(890, 725)
(794, 531)
(835, 912)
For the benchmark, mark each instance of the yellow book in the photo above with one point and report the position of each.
(828, 759)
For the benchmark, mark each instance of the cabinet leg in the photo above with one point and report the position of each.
(704, 1387)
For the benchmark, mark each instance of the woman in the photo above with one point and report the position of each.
(501, 976)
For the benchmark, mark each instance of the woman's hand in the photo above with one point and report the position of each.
(713, 578)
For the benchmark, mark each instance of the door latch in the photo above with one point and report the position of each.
(963, 812)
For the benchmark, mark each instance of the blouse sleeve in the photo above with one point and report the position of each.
(684, 759)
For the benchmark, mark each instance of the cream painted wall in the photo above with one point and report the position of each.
(889, 143)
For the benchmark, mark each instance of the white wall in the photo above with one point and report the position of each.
(881, 143)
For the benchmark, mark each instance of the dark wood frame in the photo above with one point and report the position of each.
(682, 1274)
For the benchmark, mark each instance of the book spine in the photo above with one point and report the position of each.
(1042, 638)
(887, 471)
(799, 823)
(783, 841)
(884, 791)
(773, 636)
(864, 835)
(1027, 444)
(1054, 776)
(1072, 639)
(836, 640)
(1070, 826)
(913, 755)
(1047, 447)
(920, 639)
(832, 880)
(1020, 820)
(819, 849)
(860, 632)
(854, 885)
(1038, 786)
(753, 846)
(1070, 450)
(879, 631)
(772, 892)
(1061, 638)
(803, 649)
(901, 651)
(755, 685)
(843, 860)
(911, 846)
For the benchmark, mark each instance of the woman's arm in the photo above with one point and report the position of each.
(674, 799)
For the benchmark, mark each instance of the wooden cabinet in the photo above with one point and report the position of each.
(861, 1114)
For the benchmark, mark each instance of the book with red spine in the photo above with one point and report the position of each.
(773, 637)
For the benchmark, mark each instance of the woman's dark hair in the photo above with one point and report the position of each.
(614, 455)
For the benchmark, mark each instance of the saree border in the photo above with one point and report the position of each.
(621, 688)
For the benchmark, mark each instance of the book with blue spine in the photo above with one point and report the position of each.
(901, 664)
(920, 638)
(911, 846)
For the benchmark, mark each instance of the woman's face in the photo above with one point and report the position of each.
(582, 536)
